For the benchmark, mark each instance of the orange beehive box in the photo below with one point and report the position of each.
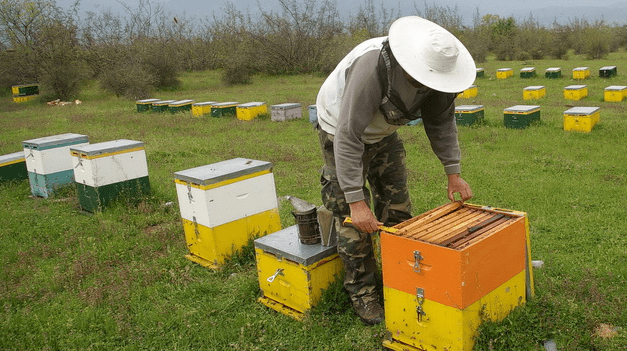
(459, 260)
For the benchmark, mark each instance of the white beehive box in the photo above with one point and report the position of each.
(106, 171)
(224, 205)
(286, 112)
(49, 163)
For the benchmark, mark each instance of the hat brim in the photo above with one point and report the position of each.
(406, 41)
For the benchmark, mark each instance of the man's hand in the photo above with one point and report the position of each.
(363, 218)
(457, 185)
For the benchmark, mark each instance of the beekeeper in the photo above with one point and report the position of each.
(382, 84)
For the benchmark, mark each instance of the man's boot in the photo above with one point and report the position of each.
(368, 309)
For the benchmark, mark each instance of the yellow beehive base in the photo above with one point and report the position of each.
(581, 123)
(20, 99)
(211, 247)
(615, 93)
(581, 73)
(504, 73)
(534, 93)
(469, 93)
(444, 327)
(575, 94)
(246, 112)
(298, 287)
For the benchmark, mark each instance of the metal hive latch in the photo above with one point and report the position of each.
(417, 258)
(420, 298)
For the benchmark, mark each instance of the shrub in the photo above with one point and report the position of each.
(127, 79)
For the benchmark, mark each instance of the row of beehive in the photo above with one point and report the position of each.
(244, 112)
(612, 93)
(24, 92)
(226, 204)
(553, 72)
(581, 119)
(102, 172)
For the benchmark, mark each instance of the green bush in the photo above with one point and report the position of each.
(127, 79)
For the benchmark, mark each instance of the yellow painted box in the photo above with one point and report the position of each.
(250, 110)
(581, 73)
(200, 109)
(504, 73)
(581, 119)
(615, 93)
(293, 275)
(534, 92)
(575, 92)
(224, 205)
(447, 270)
(20, 99)
(469, 93)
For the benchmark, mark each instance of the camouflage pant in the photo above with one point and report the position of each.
(386, 172)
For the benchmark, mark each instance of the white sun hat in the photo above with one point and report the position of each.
(432, 55)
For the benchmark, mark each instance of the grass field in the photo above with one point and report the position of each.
(119, 280)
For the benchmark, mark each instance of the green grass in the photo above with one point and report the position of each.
(119, 280)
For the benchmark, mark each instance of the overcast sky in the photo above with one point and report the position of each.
(467, 8)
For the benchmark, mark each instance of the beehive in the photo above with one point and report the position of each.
(528, 72)
(469, 93)
(25, 90)
(520, 116)
(286, 112)
(200, 109)
(180, 106)
(49, 163)
(466, 115)
(224, 109)
(534, 92)
(581, 119)
(504, 73)
(250, 110)
(161, 105)
(145, 104)
(224, 205)
(13, 167)
(553, 72)
(107, 171)
(293, 275)
(581, 73)
(615, 93)
(449, 269)
(608, 71)
(313, 114)
(575, 92)
(480, 72)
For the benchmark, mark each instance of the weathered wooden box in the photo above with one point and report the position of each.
(107, 171)
(49, 162)
(286, 112)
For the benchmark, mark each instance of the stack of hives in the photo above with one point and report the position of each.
(448, 270)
